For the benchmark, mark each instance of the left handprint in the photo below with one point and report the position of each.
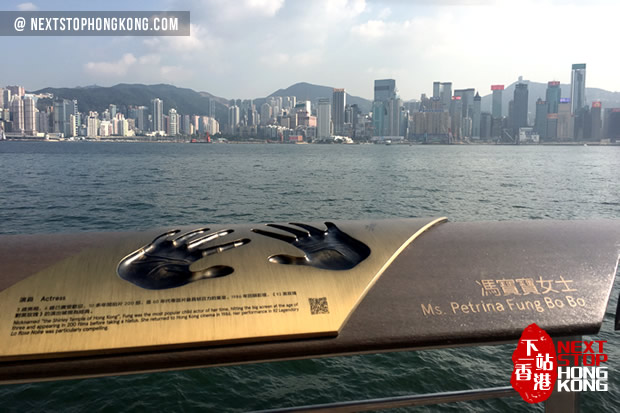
(165, 262)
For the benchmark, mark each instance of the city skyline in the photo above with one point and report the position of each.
(280, 41)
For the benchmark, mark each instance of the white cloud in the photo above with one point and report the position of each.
(372, 29)
(27, 7)
(384, 13)
(338, 9)
(112, 69)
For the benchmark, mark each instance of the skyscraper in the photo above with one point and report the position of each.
(566, 124)
(476, 116)
(578, 87)
(17, 113)
(173, 123)
(212, 107)
(30, 123)
(436, 87)
(233, 118)
(467, 100)
(597, 123)
(520, 107)
(385, 89)
(445, 95)
(553, 96)
(496, 110)
(387, 116)
(338, 104)
(324, 121)
(540, 124)
(157, 113)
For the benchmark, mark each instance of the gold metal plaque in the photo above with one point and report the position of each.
(201, 286)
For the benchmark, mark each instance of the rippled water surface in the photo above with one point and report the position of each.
(69, 187)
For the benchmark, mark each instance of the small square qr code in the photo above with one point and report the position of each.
(318, 305)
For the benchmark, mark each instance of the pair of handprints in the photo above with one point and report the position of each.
(165, 262)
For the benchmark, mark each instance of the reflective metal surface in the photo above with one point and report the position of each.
(200, 287)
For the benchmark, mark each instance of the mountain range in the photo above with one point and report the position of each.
(188, 101)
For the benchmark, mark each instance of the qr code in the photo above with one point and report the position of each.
(318, 305)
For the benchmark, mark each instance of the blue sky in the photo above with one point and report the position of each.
(250, 48)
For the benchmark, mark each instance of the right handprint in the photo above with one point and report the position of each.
(329, 249)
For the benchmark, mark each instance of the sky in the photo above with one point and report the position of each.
(251, 48)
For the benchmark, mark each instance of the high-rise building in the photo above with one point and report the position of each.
(553, 96)
(233, 118)
(578, 87)
(467, 100)
(173, 123)
(17, 113)
(387, 109)
(323, 120)
(186, 125)
(520, 107)
(157, 114)
(456, 118)
(385, 89)
(476, 116)
(612, 124)
(496, 108)
(265, 113)
(112, 109)
(565, 121)
(436, 87)
(597, 121)
(540, 123)
(30, 124)
(141, 118)
(211, 107)
(43, 122)
(92, 125)
(485, 125)
(18, 91)
(445, 95)
(339, 101)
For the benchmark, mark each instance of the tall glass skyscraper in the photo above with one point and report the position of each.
(520, 106)
(496, 109)
(578, 87)
(339, 100)
(553, 96)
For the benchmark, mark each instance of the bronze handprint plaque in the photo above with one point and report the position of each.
(165, 262)
(201, 286)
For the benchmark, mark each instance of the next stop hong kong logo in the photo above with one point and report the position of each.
(574, 366)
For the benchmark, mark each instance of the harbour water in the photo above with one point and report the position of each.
(85, 186)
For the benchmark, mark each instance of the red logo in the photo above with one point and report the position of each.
(535, 373)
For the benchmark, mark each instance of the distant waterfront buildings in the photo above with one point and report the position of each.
(444, 117)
